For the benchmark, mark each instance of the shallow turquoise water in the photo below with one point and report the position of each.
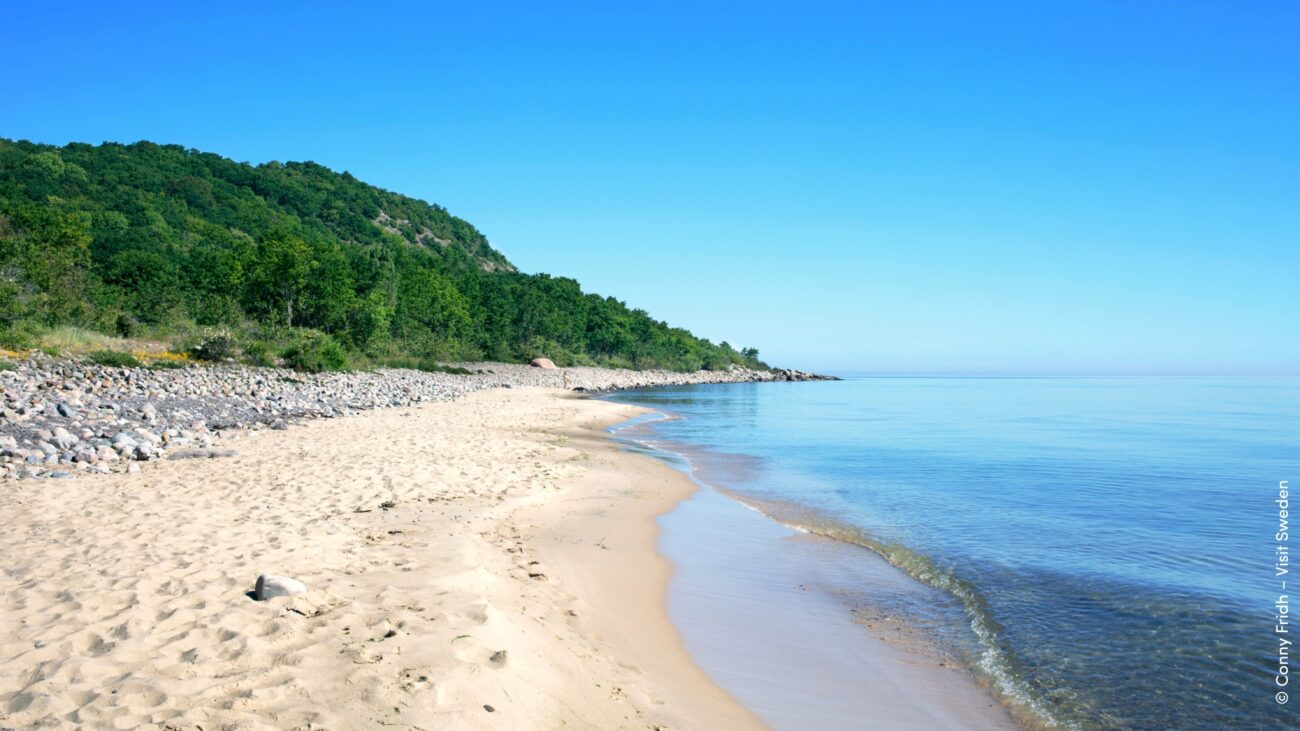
(1110, 540)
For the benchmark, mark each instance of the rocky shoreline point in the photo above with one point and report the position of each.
(62, 417)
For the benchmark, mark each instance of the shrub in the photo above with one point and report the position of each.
(316, 353)
(260, 353)
(216, 346)
(18, 335)
(126, 325)
(113, 359)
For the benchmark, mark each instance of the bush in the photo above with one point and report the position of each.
(126, 325)
(18, 335)
(215, 347)
(260, 353)
(113, 359)
(316, 353)
(165, 365)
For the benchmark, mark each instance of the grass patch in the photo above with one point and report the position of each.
(114, 359)
(80, 341)
(7, 366)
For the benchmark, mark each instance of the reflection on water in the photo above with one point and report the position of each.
(1107, 540)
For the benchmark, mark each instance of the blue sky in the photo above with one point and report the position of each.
(912, 187)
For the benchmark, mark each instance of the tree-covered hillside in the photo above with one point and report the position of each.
(145, 238)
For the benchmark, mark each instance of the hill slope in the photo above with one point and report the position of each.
(144, 238)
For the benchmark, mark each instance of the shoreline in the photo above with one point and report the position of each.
(61, 418)
(492, 559)
(764, 606)
(450, 583)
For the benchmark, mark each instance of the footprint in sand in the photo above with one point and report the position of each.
(414, 681)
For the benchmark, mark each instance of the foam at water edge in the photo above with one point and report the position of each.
(996, 663)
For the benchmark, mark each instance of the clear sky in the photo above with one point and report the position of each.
(902, 187)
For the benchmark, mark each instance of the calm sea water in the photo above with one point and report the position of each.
(1109, 541)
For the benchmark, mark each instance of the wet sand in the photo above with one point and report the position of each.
(490, 562)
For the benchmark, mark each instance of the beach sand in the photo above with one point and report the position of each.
(483, 563)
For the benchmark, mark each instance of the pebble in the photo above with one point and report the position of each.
(123, 416)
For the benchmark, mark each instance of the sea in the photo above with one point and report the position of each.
(1097, 553)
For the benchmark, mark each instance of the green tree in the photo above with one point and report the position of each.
(279, 275)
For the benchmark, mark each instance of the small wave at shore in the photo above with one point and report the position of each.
(995, 663)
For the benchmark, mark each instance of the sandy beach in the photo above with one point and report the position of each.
(482, 563)
(488, 562)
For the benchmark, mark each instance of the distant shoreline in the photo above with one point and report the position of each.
(66, 417)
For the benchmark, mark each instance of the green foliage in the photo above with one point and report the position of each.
(260, 353)
(316, 352)
(114, 359)
(216, 346)
(7, 365)
(120, 238)
(424, 364)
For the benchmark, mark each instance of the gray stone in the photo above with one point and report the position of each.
(63, 439)
(148, 436)
(201, 453)
(66, 410)
(270, 587)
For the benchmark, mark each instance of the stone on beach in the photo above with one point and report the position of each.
(116, 417)
(63, 439)
(202, 453)
(270, 587)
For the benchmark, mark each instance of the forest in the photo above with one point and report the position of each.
(288, 263)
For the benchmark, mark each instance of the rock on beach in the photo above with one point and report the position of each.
(270, 586)
(72, 416)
